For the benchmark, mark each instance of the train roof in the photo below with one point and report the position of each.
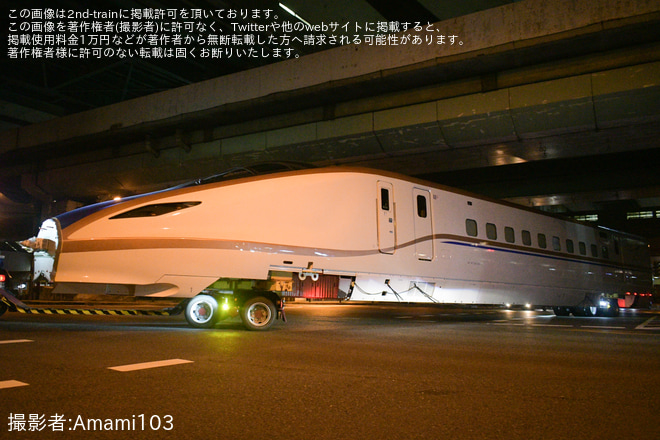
(476, 196)
(267, 170)
(257, 169)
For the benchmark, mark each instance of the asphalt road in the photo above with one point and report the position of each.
(333, 372)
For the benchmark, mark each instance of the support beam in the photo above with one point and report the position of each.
(178, 138)
(148, 145)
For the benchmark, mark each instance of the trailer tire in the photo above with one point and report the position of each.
(610, 312)
(561, 311)
(589, 311)
(258, 313)
(202, 311)
(614, 309)
(3, 308)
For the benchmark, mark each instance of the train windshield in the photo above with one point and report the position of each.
(71, 217)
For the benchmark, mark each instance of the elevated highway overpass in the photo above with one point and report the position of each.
(553, 104)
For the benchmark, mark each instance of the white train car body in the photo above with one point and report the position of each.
(393, 238)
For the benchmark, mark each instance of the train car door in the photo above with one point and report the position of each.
(386, 221)
(423, 224)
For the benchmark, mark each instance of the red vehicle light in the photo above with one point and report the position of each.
(2, 278)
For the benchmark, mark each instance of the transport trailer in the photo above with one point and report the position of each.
(234, 246)
(8, 302)
(202, 311)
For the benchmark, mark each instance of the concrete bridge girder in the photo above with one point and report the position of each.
(524, 86)
(517, 124)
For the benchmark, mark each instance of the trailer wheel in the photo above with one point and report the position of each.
(612, 311)
(202, 311)
(258, 313)
(3, 308)
(561, 311)
(589, 311)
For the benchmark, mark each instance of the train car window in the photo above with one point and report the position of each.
(509, 235)
(471, 227)
(594, 250)
(605, 252)
(384, 199)
(526, 238)
(569, 246)
(542, 241)
(583, 247)
(421, 206)
(491, 231)
(155, 210)
(556, 243)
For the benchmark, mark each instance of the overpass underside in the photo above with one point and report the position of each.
(541, 106)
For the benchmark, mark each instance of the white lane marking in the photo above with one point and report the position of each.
(643, 325)
(12, 384)
(607, 327)
(15, 341)
(523, 324)
(146, 365)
